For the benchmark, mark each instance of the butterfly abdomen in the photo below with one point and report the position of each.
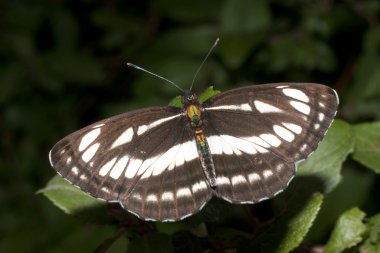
(205, 157)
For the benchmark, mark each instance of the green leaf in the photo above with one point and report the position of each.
(372, 241)
(338, 201)
(208, 93)
(289, 230)
(367, 145)
(155, 242)
(347, 232)
(176, 102)
(67, 197)
(326, 162)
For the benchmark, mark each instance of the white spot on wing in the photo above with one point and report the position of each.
(107, 167)
(136, 196)
(259, 141)
(293, 127)
(303, 148)
(253, 177)
(151, 198)
(317, 126)
(75, 170)
(271, 139)
(167, 196)
(242, 107)
(279, 167)
(183, 192)
(90, 152)
(301, 107)
(133, 166)
(105, 189)
(265, 108)
(124, 138)
(175, 156)
(321, 116)
(146, 164)
(88, 138)
(297, 94)
(119, 167)
(239, 179)
(142, 129)
(223, 181)
(68, 160)
(283, 133)
(267, 173)
(190, 149)
(226, 144)
(200, 186)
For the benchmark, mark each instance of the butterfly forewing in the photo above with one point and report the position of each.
(257, 133)
(142, 159)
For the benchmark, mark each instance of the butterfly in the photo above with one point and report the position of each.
(165, 163)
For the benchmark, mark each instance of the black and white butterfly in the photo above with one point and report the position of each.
(165, 163)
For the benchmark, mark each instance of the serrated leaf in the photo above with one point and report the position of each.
(367, 145)
(176, 102)
(208, 93)
(67, 197)
(290, 229)
(326, 162)
(155, 242)
(347, 232)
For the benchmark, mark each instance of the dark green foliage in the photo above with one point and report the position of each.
(63, 66)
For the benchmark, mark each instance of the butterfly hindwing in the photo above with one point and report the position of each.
(257, 133)
(138, 159)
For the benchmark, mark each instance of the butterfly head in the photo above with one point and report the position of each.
(189, 99)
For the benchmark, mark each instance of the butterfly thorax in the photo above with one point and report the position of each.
(192, 110)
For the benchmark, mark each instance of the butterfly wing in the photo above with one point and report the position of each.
(257, 133)
(138, 159)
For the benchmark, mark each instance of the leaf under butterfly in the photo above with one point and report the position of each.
(206, 94)
(67, 197)
(290, 228)
(371, 242)
(326, 162)
(348, 231)
(367, 145)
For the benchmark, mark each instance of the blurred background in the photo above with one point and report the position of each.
(63, 66)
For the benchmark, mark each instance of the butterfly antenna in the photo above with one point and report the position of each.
(201, 65)
(154, 74)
